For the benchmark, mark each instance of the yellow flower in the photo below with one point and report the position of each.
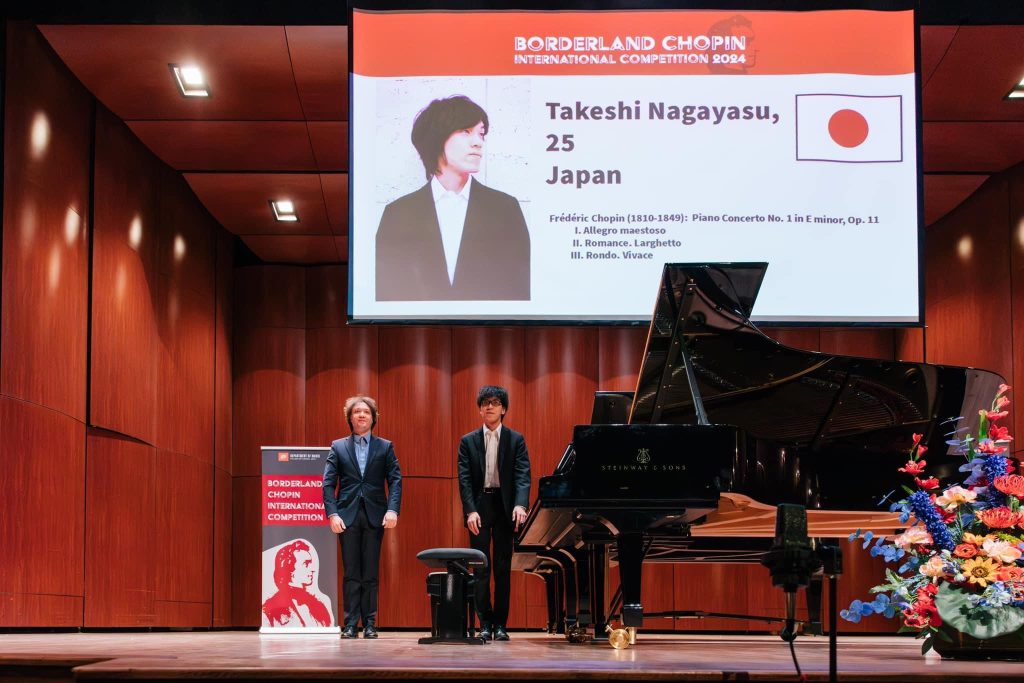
(979, 571)
(977, 540)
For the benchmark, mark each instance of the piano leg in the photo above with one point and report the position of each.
(584, 616)
(631, 559)
(598, 567)
(568, 564)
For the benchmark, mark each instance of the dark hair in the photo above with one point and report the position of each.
(351, 402)
(489, 391)
(437, 121)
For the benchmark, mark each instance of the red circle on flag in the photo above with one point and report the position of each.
(848, 128)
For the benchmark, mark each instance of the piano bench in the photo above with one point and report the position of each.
(452, 605)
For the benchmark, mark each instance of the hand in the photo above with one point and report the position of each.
(473, 522)
(518, 516)
(337, 526)
(390, 520)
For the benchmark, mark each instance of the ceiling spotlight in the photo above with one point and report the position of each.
(284, 210)
(1016, 93)
(190, 80)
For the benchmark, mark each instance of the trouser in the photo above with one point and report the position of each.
(360, 555)
(495, 540)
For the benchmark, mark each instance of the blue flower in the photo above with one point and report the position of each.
(921, 504)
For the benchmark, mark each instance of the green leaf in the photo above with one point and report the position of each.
(942, 634)
(908, 629)
(981, 622)
(909, 490)
(927, 644)
(982, 426)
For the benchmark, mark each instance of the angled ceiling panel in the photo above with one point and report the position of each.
(241, 201)
(330, 144)
(335, 186)
(320, 59)
(987, 147)
(229, 145)
(126, 67)
(293, 249)
(935, 41)
(943, 193)
(979, 68)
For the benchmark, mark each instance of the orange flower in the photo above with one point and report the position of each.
(1012, 484)
(1000, 517)
(1010, 573)
(927, 484)
(965, 550)
(976, 539)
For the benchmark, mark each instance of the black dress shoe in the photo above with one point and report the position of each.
(485, 631)
(500, 633)
(348, 632)
(369, 631)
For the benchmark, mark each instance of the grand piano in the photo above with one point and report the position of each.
(724, 425)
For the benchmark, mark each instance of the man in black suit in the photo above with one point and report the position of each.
(358, 467)
(454, 238)
(494, 483)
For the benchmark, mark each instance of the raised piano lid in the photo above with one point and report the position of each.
(775, 392)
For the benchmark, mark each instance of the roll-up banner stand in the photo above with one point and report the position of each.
(300, 552)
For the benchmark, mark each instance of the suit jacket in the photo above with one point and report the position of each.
(494, 255)
(513, 470)
(342, 471)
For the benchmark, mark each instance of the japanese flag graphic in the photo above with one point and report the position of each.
(849, 128)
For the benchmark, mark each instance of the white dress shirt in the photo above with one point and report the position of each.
(451, 218)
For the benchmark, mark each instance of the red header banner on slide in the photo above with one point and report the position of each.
(673, 42)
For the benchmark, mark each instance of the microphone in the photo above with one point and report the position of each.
(791, 560)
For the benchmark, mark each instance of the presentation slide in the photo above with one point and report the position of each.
(530, 165)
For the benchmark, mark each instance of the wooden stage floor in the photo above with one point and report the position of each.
(239, 656)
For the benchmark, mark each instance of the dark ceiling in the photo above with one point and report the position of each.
(276, 121)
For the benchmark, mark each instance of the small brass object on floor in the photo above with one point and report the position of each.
(619, 638)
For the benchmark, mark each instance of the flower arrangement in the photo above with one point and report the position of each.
(960, 556)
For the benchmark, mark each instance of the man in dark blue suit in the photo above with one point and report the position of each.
(359, 511)
(494, 483)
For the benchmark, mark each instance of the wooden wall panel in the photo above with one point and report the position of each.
(621, 351)
(222, 504)
(415, 398)
(29, 610)
(184, 508)
(182, 614)
(909, 344)
(715, 588)
(1015, 237)
(485, 355)
(269, 296)
(426, 508)
(246, 546)
(969, 291)
(269, 393)
(326, 296)
(804, 338)
(868, 343)
(222, 391)
(47, 133)
(36, 531)
(340, 362)
(123, 385)
(185, 354)
(122, 533)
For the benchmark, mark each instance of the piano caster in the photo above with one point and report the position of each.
(621, 638)
(577, 635)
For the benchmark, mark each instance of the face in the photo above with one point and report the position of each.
(361, 418)
(491, 411)
(302, 575)
(463, 150)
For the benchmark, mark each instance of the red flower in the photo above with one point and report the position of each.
(994, 415)
(1000, 518)
(917, 438)
(990, 447)
(927, 484)
(1002, 402)
(914, 468)
(965, 550)
(1003, 388)
(999, 433)
(921, 450)
(1012, 484)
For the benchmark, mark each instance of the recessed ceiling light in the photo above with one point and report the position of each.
(190, 79)
(1015, 94)
(284, 210)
